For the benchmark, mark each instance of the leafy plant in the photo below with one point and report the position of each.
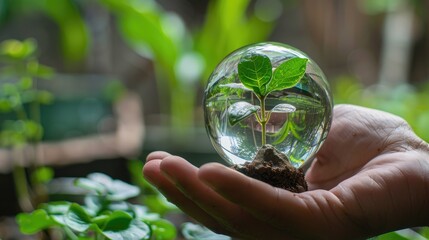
(105, 214)
(157, 203)
(20, 127)
(256, 74)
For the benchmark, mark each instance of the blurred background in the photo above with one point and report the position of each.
(89, 85)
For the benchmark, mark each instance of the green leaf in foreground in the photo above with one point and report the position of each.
(163, 229)
(34, 222)
(57, 211)
(239, 111)
(288, 74)
(77, 218)
(255, 72)
(121, 226)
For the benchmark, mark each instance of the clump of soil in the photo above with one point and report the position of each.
(274, 168)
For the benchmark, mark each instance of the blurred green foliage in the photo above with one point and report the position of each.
(406, 101)
(73, 33)
(405, 234)
(19, 96)
(106, 214)
(20, 101)
(184, 58)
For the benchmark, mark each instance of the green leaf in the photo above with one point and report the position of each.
(91, 185)
(162, 229)
(57, 211)
(121, 226)
(239, 111)
(77, 218)
(288, 74)
(255, 72)
(283, 108)
(42, 175)
(193, 231)
(117, 190)
(159, 204)
(142, 213)
(26, 83)
(100, 220)
(30, 223)
(18, 49)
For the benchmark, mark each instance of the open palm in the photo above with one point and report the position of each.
(371, 176)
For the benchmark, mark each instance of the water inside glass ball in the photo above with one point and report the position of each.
(298, 117)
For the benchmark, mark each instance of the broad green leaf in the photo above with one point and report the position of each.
(120, 190)
(57, 211)
(288, 74)
(255, 72)
(159, 204)
(117, 190)
(142, 213)
(100, 220)
(240, 110)
(283, 108)
(121, 226)
(193, 231)
(91, 185)
(122, 206)
(162, 229)
(77, 218)
(94, 204)
(60, 207)
(34, 222)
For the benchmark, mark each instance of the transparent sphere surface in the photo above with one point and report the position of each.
(293, 118)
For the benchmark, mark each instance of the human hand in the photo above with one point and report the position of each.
(370, 176)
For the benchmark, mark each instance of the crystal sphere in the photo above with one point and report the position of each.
(294, 119)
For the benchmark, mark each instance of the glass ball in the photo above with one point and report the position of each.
(297, 118)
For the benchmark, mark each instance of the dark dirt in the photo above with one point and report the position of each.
(274, 168)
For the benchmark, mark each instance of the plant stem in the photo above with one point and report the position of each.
(21, 189)
(264, 120)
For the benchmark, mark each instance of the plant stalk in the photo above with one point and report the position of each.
(264, 121)
(21, 188)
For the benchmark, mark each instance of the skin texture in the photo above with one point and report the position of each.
(371, 176)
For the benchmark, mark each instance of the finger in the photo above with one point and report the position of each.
(299, 214)
(157, 155)
(151, 172)
(231, 215)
